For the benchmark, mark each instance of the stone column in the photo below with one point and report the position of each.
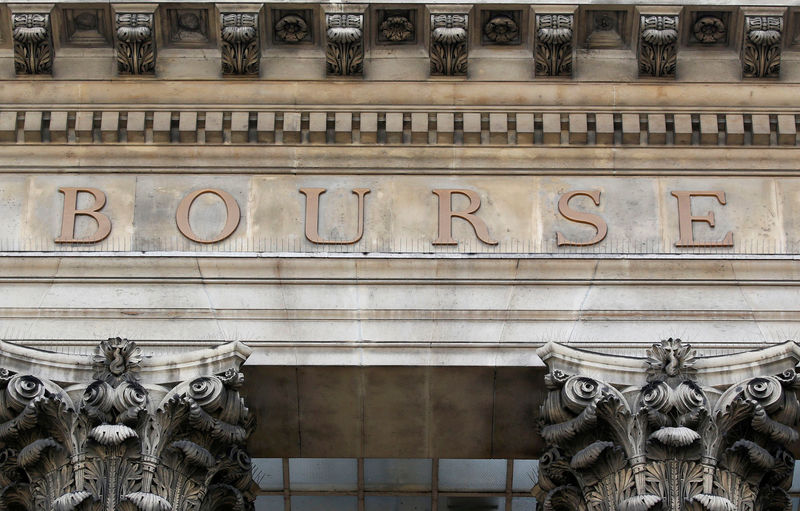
(672, 431)
(121, 431)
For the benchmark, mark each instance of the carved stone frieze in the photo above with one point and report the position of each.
(239, 43)
(119, 443)
(448, 44)
(291, 29)
(709, 30)
(501, 29)
(397, 29)
(761, 46)
(554, 36)
(33, 43)
(136, 48)
(344, 53)
(658, 48)
(671, 441)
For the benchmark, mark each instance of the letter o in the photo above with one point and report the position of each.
(231, 210)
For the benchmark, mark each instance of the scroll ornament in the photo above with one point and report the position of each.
(136, 51)
(669, 444)
(345, 49)
(124, 446)
(239, 44)
(449, 44)
(33, 48)
(658, 50)
(554, 45)
(761, 51)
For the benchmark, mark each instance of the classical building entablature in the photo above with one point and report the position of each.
(120, 430)
(671, 431)
(527, 41)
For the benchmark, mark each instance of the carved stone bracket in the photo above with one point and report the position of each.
(135, 43)
(554, 43)
(33, 43)
(119, 440)
(658, 48)
(239, 43)
(672, 441)
(449, 44)
(344, 53)
(761, 46)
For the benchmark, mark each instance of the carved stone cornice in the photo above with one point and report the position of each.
(761, 45)
(32, 32)
(344, 49)
(658, 45)
(554, 44)
(674, 439)
(126, 438)
(134, 33)
(240, 44)
(449, 41)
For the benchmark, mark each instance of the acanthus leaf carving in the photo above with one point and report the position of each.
(658, 49)
(671, 443)
(239, 44)
(136, 49)
(344, 54)
(761, 46)
(121, 448)
(449, 44)
(33, 46)
(554, 34)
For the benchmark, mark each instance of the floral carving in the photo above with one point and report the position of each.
(397, 29)
(135, 44)
(33, 49)
(345, 48)
(658, 51)
(761, 51)
(239, 44)
(291, 29)
(671, 443)
(501, 30)
(449, 44)
(709, 30)
(124, 446)
(553, 55)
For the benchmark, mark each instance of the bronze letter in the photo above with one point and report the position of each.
(581, 217)
(685, 220)
(312, 215)
(232, 213)
(68, 217)
(446, 215)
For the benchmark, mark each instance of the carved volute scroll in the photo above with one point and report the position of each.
(344, 53)
(671, 442)
(33, 43)
(658, 46)
(239, 44)
(761, 46)
(554, 33)
(448, 44)
(120, 443)
(136, 47)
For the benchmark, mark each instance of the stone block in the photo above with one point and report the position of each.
(343, 127)
(761, 131)
(525, 129)
(734, 129)
(787, 129)
(368, 127)
(317, 127)
(32, 128)
(162, 122)
(578, 130)
(291, 128)
(84, 121)
(683, 129)
(445, 127)
(394, 128)
(419, 128)
(109, 127)
(240, 126)
(656, 129)
(134, 127)
(498, 128)
(58, 127)
(631, 129)
(604, 129)
(214, 128)
(265, 127)
(551, 129)
(472, 128)
(709, 131)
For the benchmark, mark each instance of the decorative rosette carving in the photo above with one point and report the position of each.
(658, 51)
(553, 55)
(136, 51)
(397, 29)
(501, 30)
(345, 48)
(239, 45)
(709, 30)
(669, 444)
(448, 44)
(118, 448)
(33, 49)
(291, 29)
(761, 50)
